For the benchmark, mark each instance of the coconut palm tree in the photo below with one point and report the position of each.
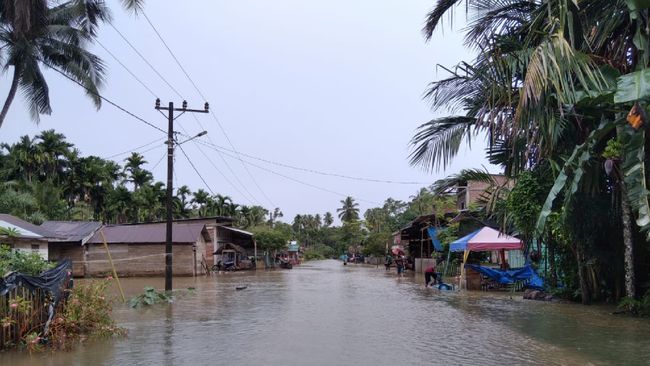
(201, 199)
(328, 219)
(551, 83)
(54, 148)
(349, 211)
(51, 34)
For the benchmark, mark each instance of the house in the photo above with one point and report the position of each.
(221, 231)
(69, 241)
(139, 249)
(28, 237)
(470, 192)
(228, 236)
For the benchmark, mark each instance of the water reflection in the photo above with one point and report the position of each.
(324, 313)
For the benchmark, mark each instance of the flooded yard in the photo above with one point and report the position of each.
(323, 313)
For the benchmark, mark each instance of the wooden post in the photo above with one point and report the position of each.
(110, 259)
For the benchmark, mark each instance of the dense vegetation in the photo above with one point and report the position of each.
(45, 177)
(560, 88)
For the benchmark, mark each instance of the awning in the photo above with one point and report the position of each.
(244, 232)
(485, 239)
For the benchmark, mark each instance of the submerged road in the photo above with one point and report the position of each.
(324, 313)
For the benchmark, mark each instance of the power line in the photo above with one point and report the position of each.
(211, 111)
(96, 93)
(297, 180)
(158, 163)
(147, 62)
(126, 68)
(174, 56)
(134, 149)
(196, 170)
(180, 96)
(308, 170)
(219, 170)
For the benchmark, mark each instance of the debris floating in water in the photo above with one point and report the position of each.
(241, 287)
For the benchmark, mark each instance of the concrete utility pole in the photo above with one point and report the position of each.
(170, 176)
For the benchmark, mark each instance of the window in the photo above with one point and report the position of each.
(36, 248)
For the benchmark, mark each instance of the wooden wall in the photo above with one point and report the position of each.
(143, 259)
(72, 250)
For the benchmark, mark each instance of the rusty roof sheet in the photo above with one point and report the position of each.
(182, 233)
(67, 231)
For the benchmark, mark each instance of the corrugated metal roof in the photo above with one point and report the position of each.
(236, 230)
(150, 233)
(72, 230)
(25, 229)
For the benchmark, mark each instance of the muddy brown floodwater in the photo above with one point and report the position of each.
(323, 313)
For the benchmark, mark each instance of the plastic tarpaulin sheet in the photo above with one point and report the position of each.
(461, 244)
(527, 273)
(433, 234)
(54, 282)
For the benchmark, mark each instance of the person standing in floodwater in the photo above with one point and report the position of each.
(388, 262)
(399, 263)
(430, 277)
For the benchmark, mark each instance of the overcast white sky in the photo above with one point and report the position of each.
(329, 85)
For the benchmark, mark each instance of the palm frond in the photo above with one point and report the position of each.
(34, 88)
(434, 18)
(437, 142)
(443, 186)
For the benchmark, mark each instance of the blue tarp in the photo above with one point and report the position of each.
(433, 234)
(461, 244)
(527, 273)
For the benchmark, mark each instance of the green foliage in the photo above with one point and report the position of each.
(525, 202)
(639, 307)
(568, 180)
(318, 251)
(633, 86)
(271, 239)
(149, 297)
(19, 261)
(86, 314)
(375, 244)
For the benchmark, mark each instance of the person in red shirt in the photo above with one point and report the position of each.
(430, 276)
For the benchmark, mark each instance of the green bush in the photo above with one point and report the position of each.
(318, 252)
(85, 314)
(639, 307)
(19, 261)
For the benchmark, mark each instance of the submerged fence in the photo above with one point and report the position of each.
(28, 303)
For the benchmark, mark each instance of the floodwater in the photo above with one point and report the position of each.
(324, 313)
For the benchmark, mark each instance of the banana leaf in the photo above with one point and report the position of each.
(568, 180)
(633, 86)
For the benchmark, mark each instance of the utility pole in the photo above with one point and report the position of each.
(170, 176)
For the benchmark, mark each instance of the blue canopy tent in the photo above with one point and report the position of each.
(488, 239)
(460, 245)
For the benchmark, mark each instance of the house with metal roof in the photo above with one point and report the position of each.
(69, 242)
(139, 250)
(26, 237)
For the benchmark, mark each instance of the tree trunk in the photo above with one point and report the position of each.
(10, 96)
(582, 275)
(628, 244)
(551, 263)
